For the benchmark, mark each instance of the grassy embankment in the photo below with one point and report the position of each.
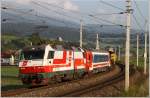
(9, 78)
(141, 87)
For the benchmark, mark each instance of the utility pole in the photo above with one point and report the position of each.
(145, 53)
(119, 53)
(81, 33)
(115, 50)
(97, 42)
(137, 51)
(31, 43)
(127, 50)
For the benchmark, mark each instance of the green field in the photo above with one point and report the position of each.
(9, 78)
(141, 88)
(133, 60)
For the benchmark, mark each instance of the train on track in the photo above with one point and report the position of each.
(39, 65)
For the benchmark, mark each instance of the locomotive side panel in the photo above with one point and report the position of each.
(79, 60)
(62, 61)
(89, 60)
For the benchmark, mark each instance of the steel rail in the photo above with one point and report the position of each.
(100, 85)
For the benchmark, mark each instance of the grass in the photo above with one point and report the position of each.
(133, 61)
(9, 78)
(141, 87)
(8, 38)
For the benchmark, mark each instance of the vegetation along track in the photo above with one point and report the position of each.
(102, 84)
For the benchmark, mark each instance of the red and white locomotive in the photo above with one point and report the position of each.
(39, 65)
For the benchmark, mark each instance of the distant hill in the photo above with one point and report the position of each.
(24, 29)
(67, 33)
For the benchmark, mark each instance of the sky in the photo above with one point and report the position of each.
(74, 10)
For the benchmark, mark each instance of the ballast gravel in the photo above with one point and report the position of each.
(68, 87)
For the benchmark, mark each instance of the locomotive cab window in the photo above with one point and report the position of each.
(100, 58)
(51, 55)
(29, 55)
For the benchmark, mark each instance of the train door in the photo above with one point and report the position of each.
(50, 57)
(88, 60)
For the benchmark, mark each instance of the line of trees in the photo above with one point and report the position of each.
(34, 39)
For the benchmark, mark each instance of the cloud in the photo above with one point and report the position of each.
(100, 10)
(23, 1)
(70, 6)
(45, 8)
(66, 4)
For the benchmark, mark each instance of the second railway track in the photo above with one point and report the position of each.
(101, 84)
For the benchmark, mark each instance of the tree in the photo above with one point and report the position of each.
(35, 38)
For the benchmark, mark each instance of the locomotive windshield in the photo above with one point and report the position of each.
(100, 58)
(29, 55)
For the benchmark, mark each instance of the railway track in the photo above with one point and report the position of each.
(100, 85)
(26, 89)
(104, 83)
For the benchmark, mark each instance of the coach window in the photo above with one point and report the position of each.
(103, 58)
(51, 55)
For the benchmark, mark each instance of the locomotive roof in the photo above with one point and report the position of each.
(41, 47)
(55, 47)
(59, 48)
(100, 53)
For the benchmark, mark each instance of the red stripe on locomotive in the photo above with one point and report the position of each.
(25, 63)
(79, 62)
(102, 64)
(36, 69)
(61, 61)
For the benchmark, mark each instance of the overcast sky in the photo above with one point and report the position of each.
(74, 10)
